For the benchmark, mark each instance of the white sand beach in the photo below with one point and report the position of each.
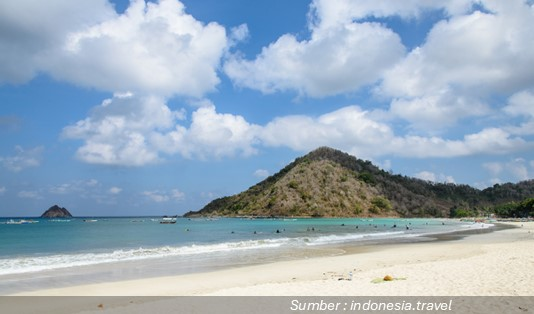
(491, 264)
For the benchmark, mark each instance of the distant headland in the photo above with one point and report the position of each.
(56, 212)
(330, 183)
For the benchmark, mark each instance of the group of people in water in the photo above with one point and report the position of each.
(408, 227)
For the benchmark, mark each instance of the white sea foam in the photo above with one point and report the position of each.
(478, 225)
(34, 264)
(340, 238)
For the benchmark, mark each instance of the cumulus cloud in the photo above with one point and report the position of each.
(238, 34)
(23, 158)
(344, 52)
(334, 60)
(356, 131)
(521, 104)
(485, 51)
(211, 134)
(33, 32)
(151, 47)
(349, 128)
(118, 131)
(468, 58)
(330, 13)
(149, 131)
(128, 130)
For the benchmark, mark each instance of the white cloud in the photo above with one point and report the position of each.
(163, 196)
(386, 164)
(133, 131)
(480, 51)
(118, 131)
(468, 58)
(515, 169)
(177, 195)
(23, 158)
(426, 175)
(432, 177)
(82, 188)
(436, 112)
(495, 168)
(156, 196)
(521, 104)
(33, 32)
(335, 60)
(29, 194)
(2, 190)
(348, 128)
(261, 173)
(210, 134)
(114, 190)
(330, 13)
(91, 182)
(61, 189)
(151, 47)
(344, 52)
(238, 34)
(357, 132)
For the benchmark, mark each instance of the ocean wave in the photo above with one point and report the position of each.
(42, 263)
(340, 238)
(478, 225)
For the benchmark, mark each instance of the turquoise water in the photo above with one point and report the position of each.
(66, 244)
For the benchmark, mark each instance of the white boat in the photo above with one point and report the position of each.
(168, 220)
(20, 222)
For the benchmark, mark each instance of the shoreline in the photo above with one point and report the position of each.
(492, 263)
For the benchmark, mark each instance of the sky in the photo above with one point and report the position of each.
(113, 108)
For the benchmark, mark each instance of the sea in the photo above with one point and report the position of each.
(48, 253)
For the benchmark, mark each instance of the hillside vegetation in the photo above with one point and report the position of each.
(330, 183)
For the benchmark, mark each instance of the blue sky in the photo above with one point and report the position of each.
(149, 108)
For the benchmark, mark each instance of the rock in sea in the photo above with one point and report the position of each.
(56, 212)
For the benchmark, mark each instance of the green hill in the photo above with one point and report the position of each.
(330, 183)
